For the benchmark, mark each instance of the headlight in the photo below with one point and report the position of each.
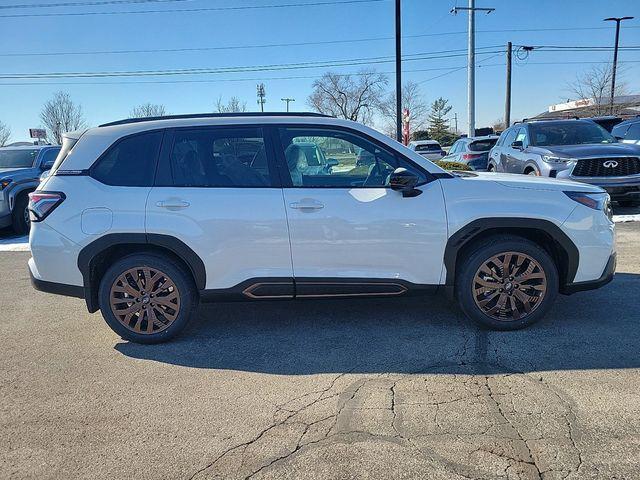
(552, 159)
(597, 201)
(5, 183)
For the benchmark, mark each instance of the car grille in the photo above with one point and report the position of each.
(617, 167)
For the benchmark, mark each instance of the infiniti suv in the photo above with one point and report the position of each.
(144, 219)
(579, 150)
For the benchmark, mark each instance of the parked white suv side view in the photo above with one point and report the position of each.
(146, 218)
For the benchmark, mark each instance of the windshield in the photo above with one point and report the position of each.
(482, 145)
(568, 133)
(17, 158)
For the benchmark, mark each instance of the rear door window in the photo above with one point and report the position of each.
(130, 162)
(220, 157)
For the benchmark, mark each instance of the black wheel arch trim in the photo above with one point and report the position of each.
(176, 246)
(470, 231)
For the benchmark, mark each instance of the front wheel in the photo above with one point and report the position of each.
(507, 283)
(146, 298)
(21, 221)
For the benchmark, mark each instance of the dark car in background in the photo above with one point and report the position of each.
(473, 152)
(20, 170)
(579, 150)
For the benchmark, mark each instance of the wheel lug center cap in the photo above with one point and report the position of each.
(146, 299)
(508, 286)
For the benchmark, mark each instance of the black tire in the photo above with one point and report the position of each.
(21, 223)
(186, 303)
(629, 203)
(490, 248)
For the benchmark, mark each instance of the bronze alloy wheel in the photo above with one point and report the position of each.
(145, 300)
(509, 286)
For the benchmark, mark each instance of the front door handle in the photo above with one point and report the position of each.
(173, 204)
(306, 204)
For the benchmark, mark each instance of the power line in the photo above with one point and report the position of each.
(235, 69)
(242, 69)
(290, 44)
(229, 47)
(192, 10)
(85, 4)
(217, 80)
(448, 70)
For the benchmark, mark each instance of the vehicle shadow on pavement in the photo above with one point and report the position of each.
(590, 330)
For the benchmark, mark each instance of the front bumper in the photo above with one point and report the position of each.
(606, 277)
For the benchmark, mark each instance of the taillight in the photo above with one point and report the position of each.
(41, 204)
(471, 156)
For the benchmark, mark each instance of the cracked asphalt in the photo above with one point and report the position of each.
(391, 388)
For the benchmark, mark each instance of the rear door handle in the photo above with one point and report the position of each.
(306, 204)
(173, 204)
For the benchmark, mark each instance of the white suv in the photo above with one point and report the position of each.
(145, 218)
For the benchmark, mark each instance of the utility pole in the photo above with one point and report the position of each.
(455, 118)
(287, 100)
(398, 72)
(471, 61)
(507, 103)
(261, 96)
(615, 55)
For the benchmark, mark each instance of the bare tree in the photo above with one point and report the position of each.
(5, 133)
(595, 84)
(354, 97)
(413, 101)
(148, 110)
(61, 114)
(498, 125)
(234, 105)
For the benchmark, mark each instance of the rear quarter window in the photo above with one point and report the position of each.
(130, 162)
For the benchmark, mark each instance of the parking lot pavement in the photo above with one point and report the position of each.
(395, 388)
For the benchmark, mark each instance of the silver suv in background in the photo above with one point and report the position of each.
(473, 152)
(20, 170)
(577, 150)
(628, 131)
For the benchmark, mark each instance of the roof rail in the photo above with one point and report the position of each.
(215, 115)
(542, 119)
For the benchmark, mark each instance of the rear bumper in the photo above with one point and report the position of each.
(606, 277)
(56, 288)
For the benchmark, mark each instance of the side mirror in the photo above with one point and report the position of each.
(517, 145)
(402, 180)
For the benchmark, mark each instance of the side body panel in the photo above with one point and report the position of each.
(368, 233)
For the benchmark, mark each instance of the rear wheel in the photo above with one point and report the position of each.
(146, 298)
(507, 283)
(21, 221)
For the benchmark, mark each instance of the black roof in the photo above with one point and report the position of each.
(215, 115)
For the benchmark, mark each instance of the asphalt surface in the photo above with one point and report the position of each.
(392, 388)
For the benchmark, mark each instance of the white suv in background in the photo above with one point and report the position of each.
(144, 218)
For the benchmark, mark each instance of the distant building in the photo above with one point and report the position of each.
(624, 106)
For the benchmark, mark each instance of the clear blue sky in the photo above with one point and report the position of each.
(535, 85)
